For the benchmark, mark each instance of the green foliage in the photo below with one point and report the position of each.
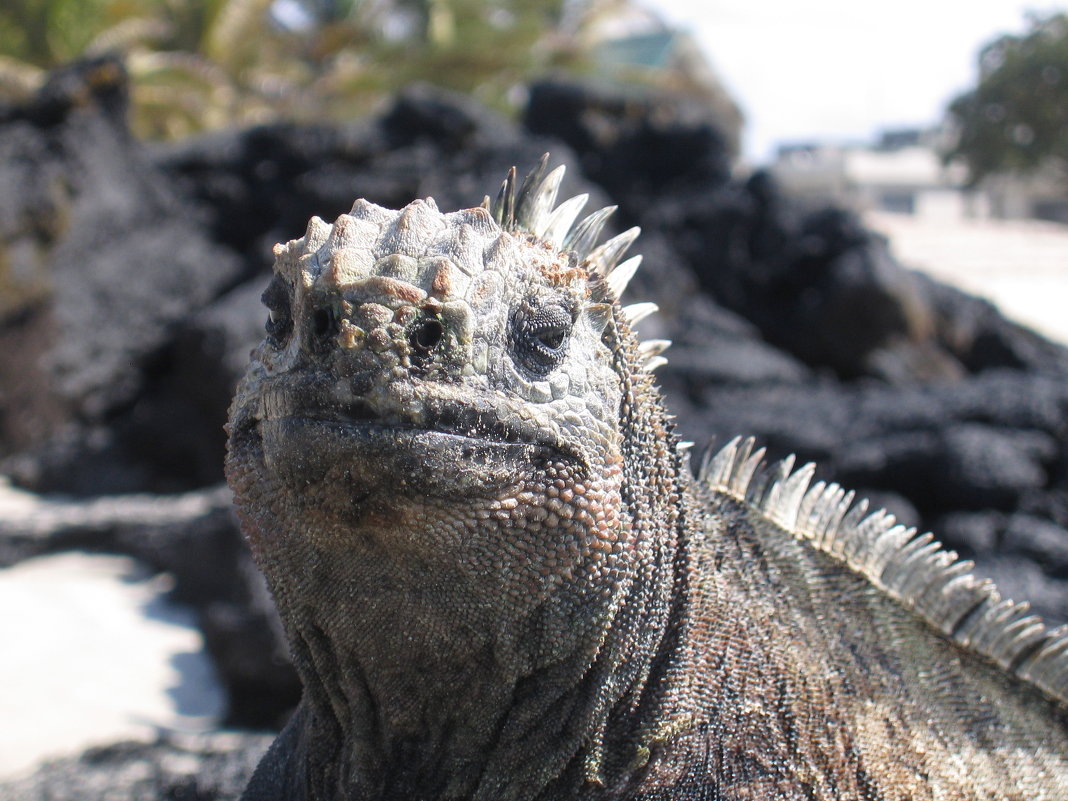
(203, 64)
(44, 33)
(1016, 119)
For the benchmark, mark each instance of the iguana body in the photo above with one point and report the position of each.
(499, 580)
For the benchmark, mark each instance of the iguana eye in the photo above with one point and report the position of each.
(279, 315)
(540, 335)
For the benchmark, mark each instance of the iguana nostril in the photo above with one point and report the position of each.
(324, 323)
(426, 334)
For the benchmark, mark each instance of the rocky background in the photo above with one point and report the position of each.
(130, 277)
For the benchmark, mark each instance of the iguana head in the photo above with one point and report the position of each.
(415, 360)
(430, 453)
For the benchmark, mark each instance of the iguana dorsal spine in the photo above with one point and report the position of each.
(912, 568)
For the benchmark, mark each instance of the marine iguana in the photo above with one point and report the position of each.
(499, 579)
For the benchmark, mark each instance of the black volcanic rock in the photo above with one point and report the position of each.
(104, 261)
(638, 145)
(212, 767)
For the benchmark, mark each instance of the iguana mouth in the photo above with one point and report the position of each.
(477, 420)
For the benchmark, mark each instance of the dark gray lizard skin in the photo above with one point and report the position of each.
(500, 580)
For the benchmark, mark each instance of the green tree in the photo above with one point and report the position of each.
(1016, 118)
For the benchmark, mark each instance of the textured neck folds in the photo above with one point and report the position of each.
(431, 686)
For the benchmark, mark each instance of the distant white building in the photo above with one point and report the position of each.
(904, 173)
(1038, 196)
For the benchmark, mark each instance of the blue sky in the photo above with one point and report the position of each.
(842, 69)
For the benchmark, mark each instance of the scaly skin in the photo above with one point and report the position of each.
(499, 581)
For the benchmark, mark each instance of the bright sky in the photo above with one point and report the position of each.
(843, 69)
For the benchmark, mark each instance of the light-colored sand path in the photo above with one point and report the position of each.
(92, 653)
(1021, 266)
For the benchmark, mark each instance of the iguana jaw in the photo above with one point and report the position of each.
(420, 406)
(408, 438)
(388, 468)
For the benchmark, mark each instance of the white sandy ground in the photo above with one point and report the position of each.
(90, 652)
(1020, 265)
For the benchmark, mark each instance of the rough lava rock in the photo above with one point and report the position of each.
(212, 767)
(103, 260)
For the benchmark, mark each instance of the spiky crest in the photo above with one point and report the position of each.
(636, 312)
(529, 208)
(912, 569)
